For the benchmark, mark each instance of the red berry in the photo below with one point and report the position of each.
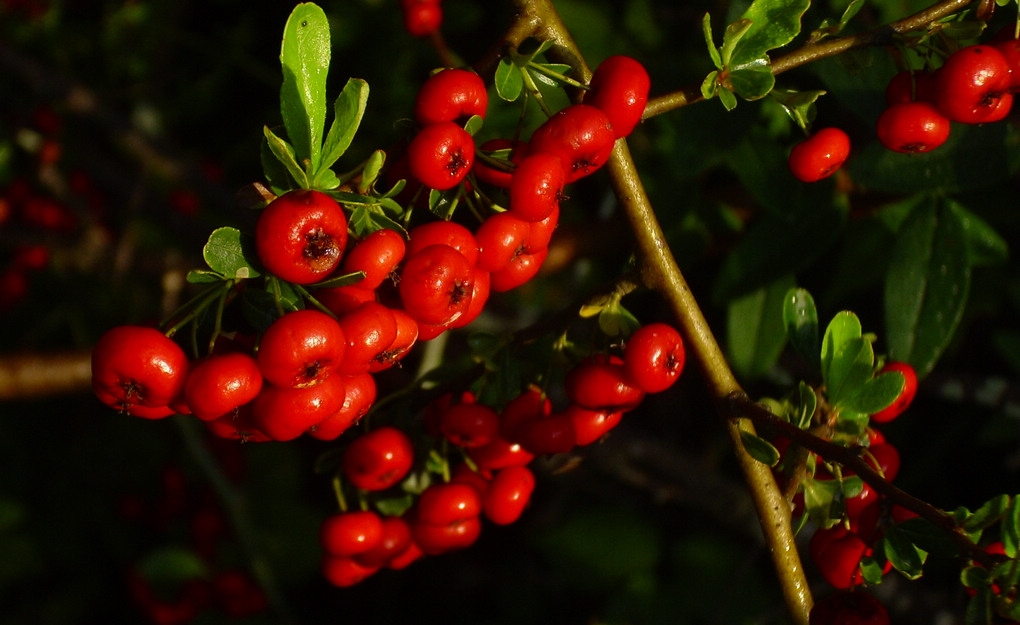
(819, 155)
(378, 459)
(591, 424)
(404, 339)
(370, 329)
(469, 425)
(136, 367)
(536, 186)
(600, 383)
(395, 539)
(301, 348)
(283, 414)
(301, 235)
(837, 553)
(359, 395)
(522, 268)
(581, 135)
(448, 233)
(973, 85)
(906, 397)
(422, 17)
(221, 383)
(911, 127)
(508, 494)
(619, 88)
(436, 284)
(345, 571)
(451, 95)
(440, 155)
(378, 255)
(500, 238)
(654, 357)
(350, 533)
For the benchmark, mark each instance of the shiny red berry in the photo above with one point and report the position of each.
(820, 155)
(301, 236)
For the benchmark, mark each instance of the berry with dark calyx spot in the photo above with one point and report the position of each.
(820, 155)
(912, 127)
(440, 155)
(138, 368)
(301, 236)
(581, 135)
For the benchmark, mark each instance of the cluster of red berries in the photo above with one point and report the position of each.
(837, 551)
(422, 17)
(974, 86)
(494, 482)
(216, 588)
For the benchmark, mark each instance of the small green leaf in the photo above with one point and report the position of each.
(202, 276)
(871, 570)
(508, 81)
(987, 515)
(759, 448)
(926, 287)
(225, 253)
(808, 405)
(1010, 531)
(799, 105)
(474, 124)
(753, 80)
(851, 368)
(729, 101)
(713, 52)
(710, 86)
(345, 280)
(304, 57)
(774, 23)
(731, 37)
(348, 110)
(800, 317)
(617, 321)
(905, 557)
(974, 577)
(844, 327)
(875, 394)
(284, 153)
(370, 173)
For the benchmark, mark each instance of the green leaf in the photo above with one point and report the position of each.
(760, 449)
(202, 276)
(276, 174)
(713, 52)
(902, 553)
(875, 394)
(926, 287)
(344, 280)
(731, 37)
(808, 404)
(799, 105)
(710, 85)
(304, 57)
(850, 370)
(370, 173)
(751, 81)
(774, 23)
(800, 318)
(729, 101)
(844, 327)
(283, 152)
(225, 253)
(617, 321)
(987, 515)
(755, 335)
(172, 565)
(1010, 530)
(348, 109)
(979, 608)
(508, 81)
(984, 245)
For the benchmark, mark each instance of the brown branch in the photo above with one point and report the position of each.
(815, 51)
(28, 376)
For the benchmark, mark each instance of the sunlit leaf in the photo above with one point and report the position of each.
(283, 152)
(348, 109)
(875, 394)
(844, 327)
(774, 23)
(226, 252)
(304, 57)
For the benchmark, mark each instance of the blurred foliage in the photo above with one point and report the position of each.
(156, 108)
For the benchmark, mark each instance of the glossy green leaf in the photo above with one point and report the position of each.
(710, 85)
(373, 167)
(808, 404)
(508, 81)
(276, 174)
(800, 318)
(799, 105)
(774, 23)
(304, 57)
(348, 109)
(819, 496)
(226, 252)
(729, 101)
(283, 152)
(875, 394)
(871, 570)
(902, 553)
(760, 449)
(926, 287)
(754, 328)
(731, 37)
(844, 327)
(751, 81)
